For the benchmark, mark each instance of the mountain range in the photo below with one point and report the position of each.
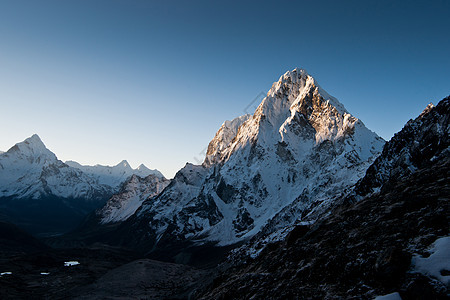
(47, 196)
(298, 200)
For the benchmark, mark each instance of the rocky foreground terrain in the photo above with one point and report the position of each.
(94, 273)
(361, 250)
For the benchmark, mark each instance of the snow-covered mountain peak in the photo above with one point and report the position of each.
(300, 149)
(292, 88)
(123, 165)
(142, 168)
(34, 141)
(48, 187)
(294, 75)
(296, 112)
(32, 150)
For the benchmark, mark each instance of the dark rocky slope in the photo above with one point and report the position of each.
(43, 275)
(419, 144)
(364, 248)
(144, 279)
(15, 241)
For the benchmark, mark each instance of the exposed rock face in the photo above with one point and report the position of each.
(418, 144)
(300, 147)
(363, 249)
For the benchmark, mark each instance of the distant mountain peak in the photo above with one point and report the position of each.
(60, 192)
(30, 170)
(35, 138)
(124, 164)
(142, 167)
(117, 174)
(32, 148)
(34, 141)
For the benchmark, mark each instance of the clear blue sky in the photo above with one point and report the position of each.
(152, 81)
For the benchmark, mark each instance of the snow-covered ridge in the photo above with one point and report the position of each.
(130, 197)
(32, 149)
(116, 175)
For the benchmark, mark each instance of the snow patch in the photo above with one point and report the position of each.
(71, 263)
(393, 296)
(437, 262)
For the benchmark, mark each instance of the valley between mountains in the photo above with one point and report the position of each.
(298, 201)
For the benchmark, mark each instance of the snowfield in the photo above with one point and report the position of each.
(71, 263)
(437, 262)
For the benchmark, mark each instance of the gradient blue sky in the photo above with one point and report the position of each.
(152, 81)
